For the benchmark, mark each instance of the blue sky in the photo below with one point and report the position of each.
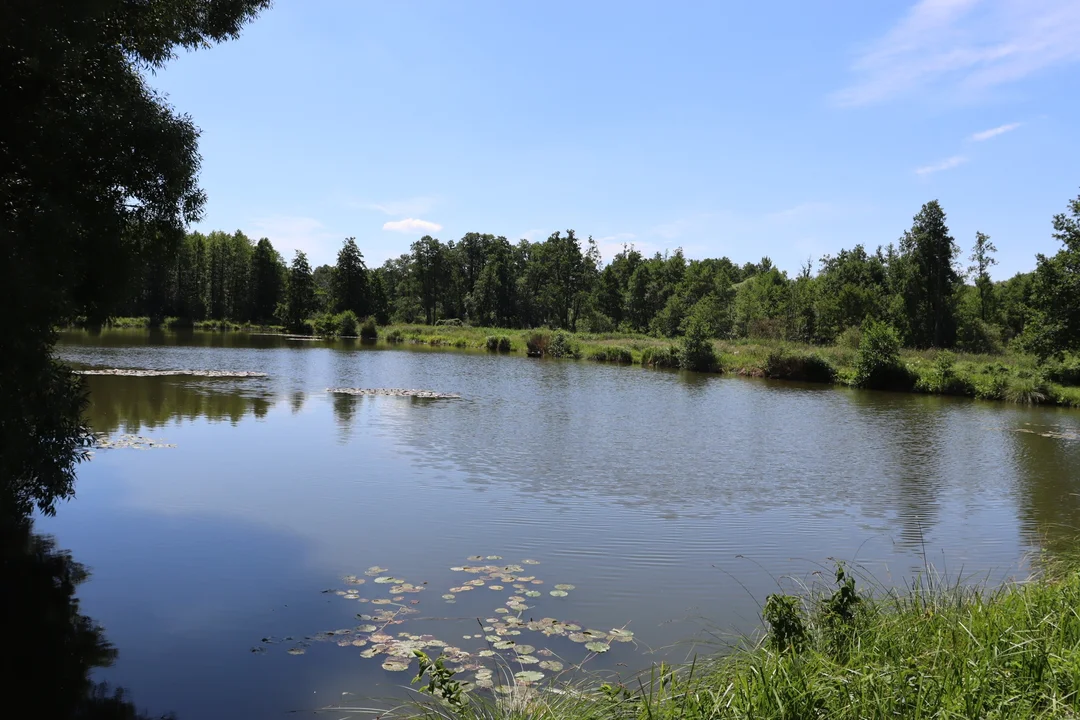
(788, 129)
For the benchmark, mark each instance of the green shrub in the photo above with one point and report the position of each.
(660, 357)
(942, 379)
(326, 325)
(877, 363)
(449, 322)
(976, 336)
(850, 338)
(1024, 388)
(346, 323)
(368, 330)
(613, 354)
(1063, 372)
(395, 336)
(497, 343)
(536, 344)
(562, 345)
(696, 351)
(782, 364)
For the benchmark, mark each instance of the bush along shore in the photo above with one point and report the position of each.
(838, 651)
(870, 357)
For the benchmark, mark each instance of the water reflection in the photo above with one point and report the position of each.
(1049, 469)
(58, 647)
(132, 404)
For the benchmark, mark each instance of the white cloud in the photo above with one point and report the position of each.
(994, 132)
(290, 233)
(947, 164)
(410, 206)
(962, 47)
(409, 225)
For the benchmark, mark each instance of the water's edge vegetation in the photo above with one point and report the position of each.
(869, 358)
(838, 650)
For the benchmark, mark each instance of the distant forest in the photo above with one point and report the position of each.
(925, 286)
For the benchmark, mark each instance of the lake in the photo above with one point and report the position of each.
(672, 503)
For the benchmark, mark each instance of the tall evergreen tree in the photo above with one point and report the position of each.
(929, 279)
(349, 284)
(982, 259)
(299, 293)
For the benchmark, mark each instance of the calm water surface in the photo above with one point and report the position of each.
(673, 502)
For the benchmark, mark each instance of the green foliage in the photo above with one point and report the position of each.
(787, 626)
(537, 344)
(299, 295)
(696, 351)
(563, 345)
(498, 343)
(612, 354)
(782, 363)
(441, 683)
(927, 279)
(395, 336)
(326, 325)
(877, 363)
(1055, 312)
(665, 356)
(347, 323)
(368, 330)
(942, 378)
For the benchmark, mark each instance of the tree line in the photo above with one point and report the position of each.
(918, 285)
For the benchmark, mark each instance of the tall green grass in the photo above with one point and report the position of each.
(843, 652)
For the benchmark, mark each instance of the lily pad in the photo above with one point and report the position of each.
(375, 570)
(381, 601)
(395, 665)
(388, 580)
(495, 587)
(504, 644)
(296, 651)
(578, 637)
(564, 586)
(524, 649)
(597, 647)
(501, 610)
(530, 562)
(552, 665)
(493, 557)
(475, 558)
(448, 596)
(366, 628)
(529, 676)
(621, 635)
(558, 593)
(532, 593)
(527, 659)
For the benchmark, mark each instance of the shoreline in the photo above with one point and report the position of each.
(1008, 377)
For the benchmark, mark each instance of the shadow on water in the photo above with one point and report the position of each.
(57, 646)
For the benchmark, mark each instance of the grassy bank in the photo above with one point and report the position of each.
(839, 652)
(1008, 377)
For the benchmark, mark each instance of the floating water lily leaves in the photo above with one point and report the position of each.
(296, 651)
(564, 587)
(527, 659)
(475, 558)
(375, 570)
(552, 665)
(597, 647)
(532, 593)
(578, 637)
(530, 562)
(366, 628)
(388, 580)
(558, 593)
(529, 676)
(495, 587)
(448, 596)
(524, 649)
(504, 644)
(621, 635)
(396, 665)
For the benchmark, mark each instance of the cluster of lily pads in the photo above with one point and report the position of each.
(498, 646)
(131, 372)
(133, 442)
(395, 392)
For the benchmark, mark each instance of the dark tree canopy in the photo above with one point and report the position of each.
(96, 171)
